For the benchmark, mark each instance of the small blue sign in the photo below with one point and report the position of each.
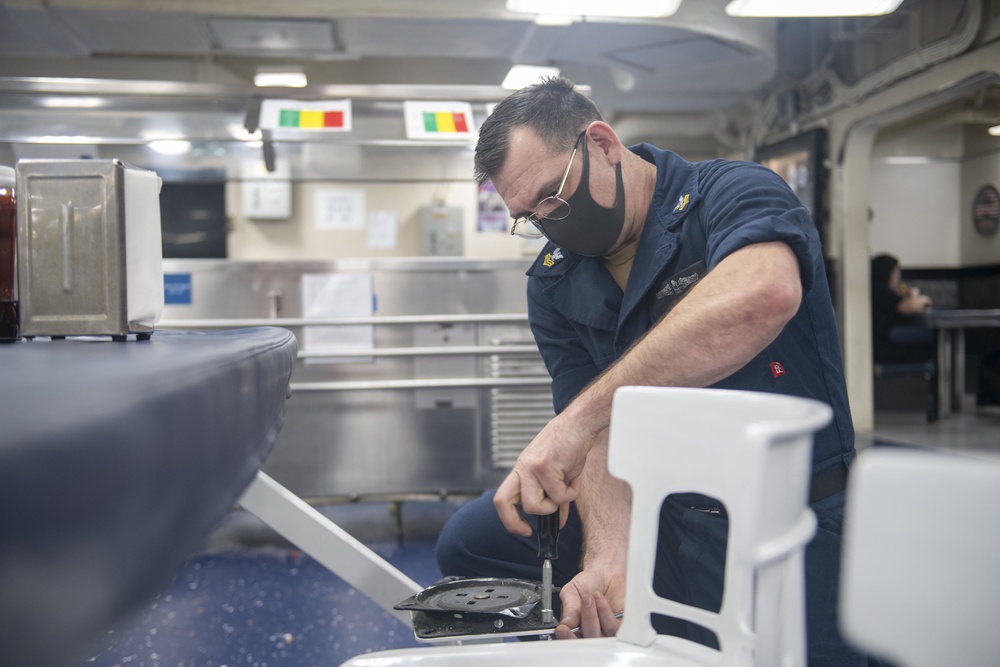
(177, 288)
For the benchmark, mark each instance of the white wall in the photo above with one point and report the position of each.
(981, 167)
(915, 213)
(396, 179)
(300, 238)
(923, 181)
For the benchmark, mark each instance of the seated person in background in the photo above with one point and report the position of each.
(898, 333)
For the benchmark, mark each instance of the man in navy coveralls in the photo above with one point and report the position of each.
(662, 272)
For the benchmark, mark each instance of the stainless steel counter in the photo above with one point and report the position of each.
(434, 391)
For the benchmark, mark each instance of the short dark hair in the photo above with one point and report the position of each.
(882, 266)
(553, 108)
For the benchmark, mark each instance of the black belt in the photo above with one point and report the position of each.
(830, 481)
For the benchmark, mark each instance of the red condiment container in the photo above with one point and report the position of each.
(9, 329)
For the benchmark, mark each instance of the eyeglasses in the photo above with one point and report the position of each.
(552, 207)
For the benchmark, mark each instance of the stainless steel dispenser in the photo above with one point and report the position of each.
(89, 251)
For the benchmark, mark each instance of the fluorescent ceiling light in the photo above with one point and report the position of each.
(906, 159)
(64, 139)
(620, 8)
(72, 102)
(240, 133)
(283, 79)
(520, 76)
(810, 8)
(555, 19)
(170, 146)
(995, 130)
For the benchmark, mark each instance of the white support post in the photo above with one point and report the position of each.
(329, 544)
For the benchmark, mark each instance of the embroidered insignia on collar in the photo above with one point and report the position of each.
(682, 202)
(552, 257)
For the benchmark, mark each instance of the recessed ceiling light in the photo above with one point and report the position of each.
(282, 79)
(520, 76)
(555, 19)
(810, 8)
(170, 146)
(620, 8)
(72, 102)
(995, 130)
(240, 133)
(906, 159)
(64, 139)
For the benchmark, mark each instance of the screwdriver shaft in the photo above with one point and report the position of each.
(547, 615)
(548, 549)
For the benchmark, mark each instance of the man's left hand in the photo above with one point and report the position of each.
(589, 601)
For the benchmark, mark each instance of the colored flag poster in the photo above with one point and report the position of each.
(439, 120)
(320, 115)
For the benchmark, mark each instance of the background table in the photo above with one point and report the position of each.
(951, 350)
(117, 459)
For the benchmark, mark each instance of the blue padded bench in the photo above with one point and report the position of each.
(117, 459)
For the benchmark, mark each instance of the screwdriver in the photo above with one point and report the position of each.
(548, 539)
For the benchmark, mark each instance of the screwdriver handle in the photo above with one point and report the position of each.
(548, 535)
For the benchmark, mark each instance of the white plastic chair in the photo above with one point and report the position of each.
(920, 578)
(752, 452)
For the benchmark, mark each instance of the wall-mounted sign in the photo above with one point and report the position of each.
(986, 211)
(326, 295)
(269, 199)
(493, 215)
(177, 288)
(328, 115)
(339, 208)
(438, 120)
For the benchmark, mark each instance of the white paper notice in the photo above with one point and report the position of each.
(383, 228)
(331, 295)
(339, 209)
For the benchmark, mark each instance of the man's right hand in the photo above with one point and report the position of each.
(546, 476)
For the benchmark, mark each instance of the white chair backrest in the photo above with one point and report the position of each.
(920, 579)
(751, 451)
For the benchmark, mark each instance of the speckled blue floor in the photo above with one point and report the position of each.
(251, 599)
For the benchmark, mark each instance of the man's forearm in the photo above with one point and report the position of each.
(604, 505)
(726, 319)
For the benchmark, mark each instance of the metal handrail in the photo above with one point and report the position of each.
(440, 383)
(421, 351)
(489, 318)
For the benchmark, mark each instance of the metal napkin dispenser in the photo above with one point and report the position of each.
(90, 260)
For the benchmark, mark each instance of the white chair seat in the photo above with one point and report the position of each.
(920, 582)
(609, 652)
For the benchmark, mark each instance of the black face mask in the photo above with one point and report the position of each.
(590, 229)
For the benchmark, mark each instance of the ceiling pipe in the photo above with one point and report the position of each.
(843, 95)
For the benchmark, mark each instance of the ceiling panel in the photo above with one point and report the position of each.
(594, 41)
(690, 54)
(270, 36)
(699, 64)
(137, 32)
(36, 32)
(438, 38)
